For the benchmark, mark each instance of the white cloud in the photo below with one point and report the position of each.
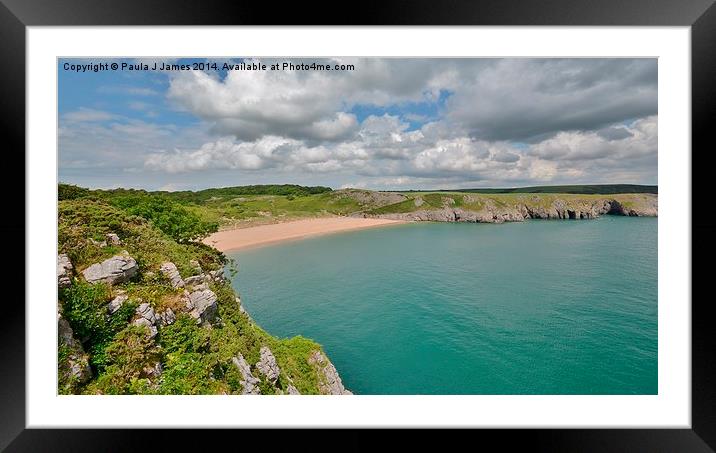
(383, 151)
(637, 141)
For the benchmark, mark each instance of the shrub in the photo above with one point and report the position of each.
(190, 373)
(70, 192)
(127, 355)
(171, 218)
(182, 336)
(85, 308)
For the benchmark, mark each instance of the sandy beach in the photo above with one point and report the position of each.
(268, 234)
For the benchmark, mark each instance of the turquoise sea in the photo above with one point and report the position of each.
(539, 307)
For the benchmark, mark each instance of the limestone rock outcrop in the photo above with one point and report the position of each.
(194, 280)
(267, 365)
(488, 211)
(201, 304)
(116, 303)
(76, 362)
(146, 317)
(170, 271)
(249, 382)
(166, 318)
(117, 269)
(331, 383)
(64, 271)
(112, 239)
(217, 275)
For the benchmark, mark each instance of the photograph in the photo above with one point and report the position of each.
(357, 226)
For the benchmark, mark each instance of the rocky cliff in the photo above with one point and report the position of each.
(139, 313)
(514, 207)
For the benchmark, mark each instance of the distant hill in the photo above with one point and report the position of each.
(265, 189)
(596, 189)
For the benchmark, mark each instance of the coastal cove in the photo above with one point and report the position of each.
(533, 307)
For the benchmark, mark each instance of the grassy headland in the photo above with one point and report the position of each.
(137, 335)
(245, 206)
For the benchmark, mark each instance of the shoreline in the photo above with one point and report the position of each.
(257, 236)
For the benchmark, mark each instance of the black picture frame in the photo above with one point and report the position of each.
(700, 15)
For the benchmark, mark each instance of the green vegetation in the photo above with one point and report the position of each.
(70, 192)
(288, 190)
(193, 358)
(85, 308)
(187, 216)
(173, 219)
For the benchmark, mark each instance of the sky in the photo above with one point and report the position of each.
(385, 124)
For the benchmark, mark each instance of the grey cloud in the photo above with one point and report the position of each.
(614, 133)
(505, 156)
(528, 99)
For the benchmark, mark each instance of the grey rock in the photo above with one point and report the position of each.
(64, 271)
(117, 303)
(112, 239)
(147, 312)
(331, 383)
(146, 317)
(291, 390)
(166, 318)
(217, 275)
(645, 205)
(76, 366)
(249, 382)
(195, 280)
(200, 287)
(118, 269)
(170, 271)
(152, 329)
(267, 365)
(201, 304)
(97, 243)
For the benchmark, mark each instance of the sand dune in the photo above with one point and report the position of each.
(268, 234)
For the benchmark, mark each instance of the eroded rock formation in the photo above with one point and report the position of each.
(491, 212)
(118, 269)
(76, 362)
(170, 271)
(267, 365)
(249, 382)
(64, 271)
(331, 383)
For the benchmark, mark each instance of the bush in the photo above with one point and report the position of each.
(70, 192)
(171, 218)
(190, 373)
(126, 357)
(182, 336)
(85, 308)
